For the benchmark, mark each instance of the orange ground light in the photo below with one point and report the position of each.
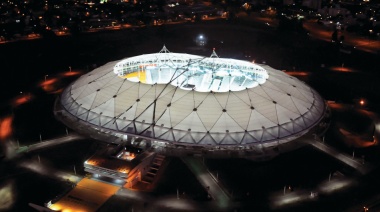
(6, 127)
(87, 196)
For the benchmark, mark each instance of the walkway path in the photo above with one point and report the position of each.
(208, 181)
(362, 168)
(49, 143)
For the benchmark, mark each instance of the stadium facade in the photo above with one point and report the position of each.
(179, 103)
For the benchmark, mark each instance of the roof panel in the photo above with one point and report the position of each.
(187, 138)
(249, 139)
(87, 101)
(243, 96)
(126, 99)
(179, 110)
(197, 136)
(257, 121)
(222, 98)
(209, 111)
(89, 89)
(166, 135)
(192, 122)
(284, 115)
(145, 102)
(226, 123)
(122, 123)
(164, 119)
(207, 140)
(147, 113)
(126, 86)
(269, 111)
(302, 106)
(106, 93)
(290, 89)
(130, 113)
(106, 109)
(238, 111)
(75, 92)
(229, 140)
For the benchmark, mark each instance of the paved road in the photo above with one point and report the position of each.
(49, 171)
(291, 198)
(363, 43)
(360, 167)
(50, 143)
(142, 201)
(208, 181)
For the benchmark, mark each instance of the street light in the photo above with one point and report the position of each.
(361, 102)
(369, 35)
(46, 76)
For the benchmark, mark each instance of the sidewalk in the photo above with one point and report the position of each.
(288, 198)
(208, 181)
(49, 143)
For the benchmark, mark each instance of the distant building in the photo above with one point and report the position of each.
(333, 11)
(313, 4)
(288, 2)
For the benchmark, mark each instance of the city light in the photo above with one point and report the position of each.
(71, 73)
(6, 127)
(49, 85)
(22, 99)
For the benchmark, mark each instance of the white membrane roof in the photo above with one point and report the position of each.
(194, 100)
(192, 72)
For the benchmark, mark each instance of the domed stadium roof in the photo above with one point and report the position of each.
(194, 100)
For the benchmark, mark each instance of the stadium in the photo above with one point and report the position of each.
(176, 103)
